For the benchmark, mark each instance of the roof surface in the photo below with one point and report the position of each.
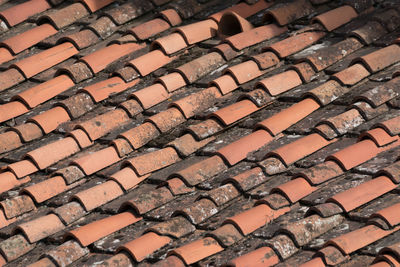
(172, 133)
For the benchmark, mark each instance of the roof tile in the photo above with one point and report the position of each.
(46, 189)
(144, 245)
(93, 231)
(127, 178)
(238, 150)
(336, 17)
(22, 168)
(95, 5)
(138, 136)
(172, 81)
(98, 160)
(22, 41)
(248, 179)
(274, 86)
(28, 131)
(98, 195)
(149, 201)
(226, 235)
(381, 58)
(50, 119)
(357, 196)
(167, 119)
(170, 44)
(67, 253)
(15, 246)
(66, 16)
(10, 78)
(232, 23)
(81, 39)
(389, 214)
(199, 210)
(150, 62)
(21, 12)
(197, 250)
(196, 102)
(263, 256)
(150, 28)
(41, 227)
(351, 75)
(176, 226)
(288, 11)
(13, 207)
(266, 60)
(235, 112)
(370, 32)
(70, 212)
(51, 153)
(245, 71)
(187, 144)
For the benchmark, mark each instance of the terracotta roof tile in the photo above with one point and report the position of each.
(15, 246)
(274, 86)
(232, 113)
(49, 120)
(170, 43)
(231, 23)
(329, 19)
(197, 250)
(67, 253)
(167, 119)
(254, 36)
(145, 245)
(18, 13)
(370, 32)
(94, 231)
(103, 158)
(41, 227)
(46, 189)
(287, 117)
(98, 195)
(288, 11)
(156, 57)
(238, 150)
(363, 193)
(10, 78)
(17, 205)
(196, 102)
(65, 16)
(20, 42)
(380, 59)
(172, 81)
(138, 136)
(96, 5)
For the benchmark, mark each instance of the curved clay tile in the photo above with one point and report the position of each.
(231, 23)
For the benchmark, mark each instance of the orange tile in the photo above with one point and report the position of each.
(235, 112)
(250, 220)
(150, 62)
(10, 78)
(50, 119)
(198, 31)
(232, 23)
(46, 189)
(29, 38)
(9, 141)
(9, 181)
(327, 92)
(170, 43)
(336, 17)
(363, 193)
(295, 189)
(102, 90)
(197, 102)
(66, 16)
(150, 28)
(381, 58)
(45, 91)
(262, 257)
(225, 83)
(244, 9)
(197, 250)
(96, 230)
(355, 154)
(98, 60)
(359, 238)
(351, 75)
(98, 160)
(167, 119)
(266, 60)
(199, 67)
(287, 117)
(170, 261)
(238, 150)
(21, 12)
(321, 173)
(295, 43)
(22, 168)
(389, 214)
(245, 71)
(41, 227)
(177, 186)
(305, 71)
(187, 144)
(300, 148)
(5, 55)
(39, 62)
(151, 95)
(95, 5)
(201, 170)
(172, 81)
(81, 138)
(379, 136)
(103, 124)
(51, 153)
(144, 245)
(128, 178)
(152, 161)
(98, 195)
(274, 85)
(67, 253)
(139, 136)
(254, 36)
(391, 126)
(171, 16)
